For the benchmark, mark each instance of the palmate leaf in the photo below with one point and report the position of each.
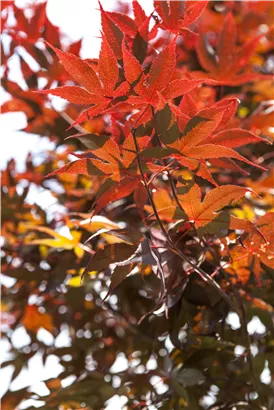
(125, 23)
(227, 42)
(111, 254)
(101, 90)
(192, 12)
(86, 166)
(256, 250)
(189, 109)
(59, 241)
(160, 73)
(121, 190)
(98, 92)
(202, 141)
(208, 151)
(157, 87)
(101, 146)
(203, 212)
(33, 320)
(178, 15)
(178, 87)
(80, 71)
(228, 64)
(112, 161)
(139, 26)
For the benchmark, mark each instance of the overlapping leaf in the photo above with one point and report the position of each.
(228, 64)
(201, 142)
(96, 93)
(177, 16)
(202, 212)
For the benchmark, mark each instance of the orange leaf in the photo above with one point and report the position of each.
(108, 67)
(90, 112)
(235, 137)
(34, 320)
(81, 71)
(132, 67)
(162, 69)
(198, 129)
(216, 151)
(201, 213)
(166, 207)
(226, 42)
(121, 190)
(74, 94)
(179, 87)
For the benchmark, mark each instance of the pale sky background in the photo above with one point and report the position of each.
(77, 19)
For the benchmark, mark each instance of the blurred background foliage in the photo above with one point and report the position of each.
(198, 354)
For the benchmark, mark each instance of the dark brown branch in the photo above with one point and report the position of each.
(206, 277)
(147, 187)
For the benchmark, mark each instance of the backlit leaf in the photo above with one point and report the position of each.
(108, 67)
(202, 212)
(75, 95)
(81, 71)
(162, 69)
(112, 32)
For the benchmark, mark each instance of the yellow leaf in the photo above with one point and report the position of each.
(165, 205)
(76, 236)
(74, 282)
(245, 213)
(243, 112)
(43, 251)
(98, 222)
(79, 252)
(60, 241)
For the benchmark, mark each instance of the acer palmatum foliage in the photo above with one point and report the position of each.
(168, 202)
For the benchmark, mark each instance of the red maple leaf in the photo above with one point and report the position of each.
(227, 64)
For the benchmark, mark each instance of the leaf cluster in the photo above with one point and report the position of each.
(160, 239)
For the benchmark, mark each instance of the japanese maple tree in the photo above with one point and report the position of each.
(161, 250)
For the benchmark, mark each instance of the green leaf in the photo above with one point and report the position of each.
(91, 141)
(139, 48)
(157, 152)
(193, 123)
(167, 134)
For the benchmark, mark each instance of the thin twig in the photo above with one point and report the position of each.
(70, 121)
(145, 183)
(170, 178)
(206, 277)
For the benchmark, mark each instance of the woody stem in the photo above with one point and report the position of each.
(206, 277)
